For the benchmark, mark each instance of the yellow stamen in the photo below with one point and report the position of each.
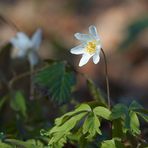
(91, 47)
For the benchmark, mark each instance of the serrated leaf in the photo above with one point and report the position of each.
(96, 93)
(81, 108)
(69, 124)
(134, 123)
(19, 143)
(58, 80)
(113, 143)
(118, 111)
(64, 126)
(35, 143)
(18, 103)
(135, 105)
(91, 126)
(59, 132)
(102, 112)
(144, 116)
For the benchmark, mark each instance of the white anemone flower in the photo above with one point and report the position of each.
(28, 46)
(90, 47)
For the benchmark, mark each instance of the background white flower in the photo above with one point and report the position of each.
(28, 46)
(90, 46)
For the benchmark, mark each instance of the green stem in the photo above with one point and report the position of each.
(31, 82)
(107, 81)
(12, 81)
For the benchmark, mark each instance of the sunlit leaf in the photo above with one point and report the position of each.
(19, 143)
(113, 143)
(144, 116)
(81, 108)
(134, 123)
(139, 110)
(91, 126)
(102, 112)
(59, 132)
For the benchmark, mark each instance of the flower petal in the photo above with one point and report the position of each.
(21, 41)
(85, 58)
(93, 32)
(36, 39)
(78, 49)
(83, 37)
(21, 52)
(33, 58)
(96, 58)
(98, 48)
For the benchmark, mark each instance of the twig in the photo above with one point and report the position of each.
(107, 81)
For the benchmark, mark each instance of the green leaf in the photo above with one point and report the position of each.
(119, 111)
(19, 143)
(58, 80)
(130, 121)
(113, 143)
(64, 125)
(2, 101)
(135, 105)
(116, 125)
(96, 93)
(1, 135)
(91, 126)
(35, 143)
(81, 108)
(102, 112)
(69, 124)
(18, 103)
(31, 143)
(59, 132)
(4, 145)
(142, 113)
(134, 123)
(144, 116)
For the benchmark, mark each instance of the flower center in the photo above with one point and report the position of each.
(91, 47)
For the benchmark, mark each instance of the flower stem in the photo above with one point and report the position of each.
(12, 81)
(107, 81)
(31, 82)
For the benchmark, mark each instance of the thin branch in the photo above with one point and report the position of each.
(12, 81)
(107, 81)
(31, 82)
(9, 23)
